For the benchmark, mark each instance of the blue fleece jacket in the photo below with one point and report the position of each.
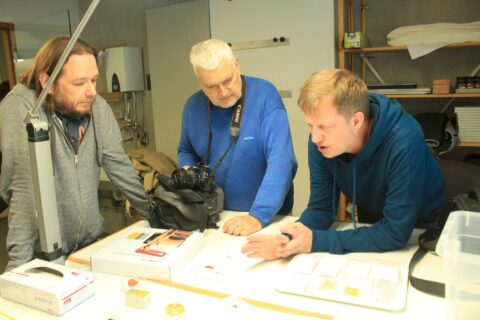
(394, 176)
(257, 173)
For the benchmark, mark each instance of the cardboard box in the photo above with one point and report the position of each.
(459, 246)
(148, 253)
(46, 286)
(353, 40)
(441, 86)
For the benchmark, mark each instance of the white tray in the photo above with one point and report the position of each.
(356, 280)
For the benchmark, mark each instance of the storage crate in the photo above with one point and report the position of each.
(459, 246)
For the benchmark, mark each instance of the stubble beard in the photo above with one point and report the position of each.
(69, 109)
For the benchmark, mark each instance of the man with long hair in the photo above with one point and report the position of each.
(85, 137)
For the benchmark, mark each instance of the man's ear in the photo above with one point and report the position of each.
(237, 64)
(358, 119)
(43, 78)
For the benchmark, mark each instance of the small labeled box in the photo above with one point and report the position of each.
(353, 40)
(150, 253)
(441, 86)
(46, 286)
(459, 246)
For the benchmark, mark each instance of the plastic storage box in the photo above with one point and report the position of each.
(459, 246)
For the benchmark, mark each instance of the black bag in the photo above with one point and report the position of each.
(185, 209)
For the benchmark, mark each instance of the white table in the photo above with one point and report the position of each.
(254, 286)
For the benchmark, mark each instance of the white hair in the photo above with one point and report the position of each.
(209, 53)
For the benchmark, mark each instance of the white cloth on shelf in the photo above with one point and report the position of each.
(436, 33)
(423, 39)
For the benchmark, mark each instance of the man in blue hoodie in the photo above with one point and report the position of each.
(238, 126)
(367, 147)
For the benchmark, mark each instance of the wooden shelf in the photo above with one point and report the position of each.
(468, 144)
(388, 49)
(112, 96)
(432, 96)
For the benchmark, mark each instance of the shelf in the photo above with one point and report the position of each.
(468, 144)
(112, 96)
(433, 96)
(388, 49)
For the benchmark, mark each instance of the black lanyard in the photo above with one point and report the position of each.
(234, 126)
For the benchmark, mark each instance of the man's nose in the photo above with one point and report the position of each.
(317, 136)
(222, 91)
(91, 90)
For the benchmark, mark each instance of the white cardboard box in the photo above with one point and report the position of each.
(148, 253)
(46, 286)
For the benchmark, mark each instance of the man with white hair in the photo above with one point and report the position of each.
(243, 120)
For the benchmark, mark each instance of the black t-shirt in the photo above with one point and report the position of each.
(74, 128)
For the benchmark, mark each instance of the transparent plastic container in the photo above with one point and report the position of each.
(459, 246)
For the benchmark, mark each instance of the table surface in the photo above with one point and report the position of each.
(250, 290)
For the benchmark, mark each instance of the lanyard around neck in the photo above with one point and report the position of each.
(234, 125)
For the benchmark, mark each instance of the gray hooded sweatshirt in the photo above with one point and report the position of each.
(76, 176)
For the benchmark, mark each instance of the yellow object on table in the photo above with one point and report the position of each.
(175, 311)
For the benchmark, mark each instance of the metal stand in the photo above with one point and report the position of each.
(41, 161)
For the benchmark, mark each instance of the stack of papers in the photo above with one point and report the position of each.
(399, 89)
(468, 123)
(356, 280)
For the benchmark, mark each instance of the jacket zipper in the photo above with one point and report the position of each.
(75, 162)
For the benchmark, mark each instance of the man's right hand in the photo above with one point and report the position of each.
(270, 247)
(301, 240)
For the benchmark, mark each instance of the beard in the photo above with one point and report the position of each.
(72, 109)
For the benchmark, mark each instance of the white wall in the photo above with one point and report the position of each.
(171, 31)
(309, 24)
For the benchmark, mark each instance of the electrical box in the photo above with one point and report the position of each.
(124, 69)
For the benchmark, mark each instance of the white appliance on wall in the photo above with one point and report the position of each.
(284, 42)
(124, 69)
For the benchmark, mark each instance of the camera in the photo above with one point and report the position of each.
(196, 177)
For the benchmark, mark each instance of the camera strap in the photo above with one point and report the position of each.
(234, 126)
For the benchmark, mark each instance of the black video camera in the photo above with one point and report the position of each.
(196, 177)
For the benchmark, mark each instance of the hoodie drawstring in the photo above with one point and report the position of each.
(334, 192)
(354, 193)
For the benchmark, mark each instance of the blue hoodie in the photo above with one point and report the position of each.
(395, 176)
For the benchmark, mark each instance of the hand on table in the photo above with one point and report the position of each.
(242, 225)
(270, 247)
(301, 239)
(264, 246)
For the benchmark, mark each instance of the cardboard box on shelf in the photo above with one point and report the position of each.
(441, 86)
(353, 40)
(46, 286)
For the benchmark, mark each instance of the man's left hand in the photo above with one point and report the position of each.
(242, 225)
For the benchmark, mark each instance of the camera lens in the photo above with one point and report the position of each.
(182, 178)
(196, 177)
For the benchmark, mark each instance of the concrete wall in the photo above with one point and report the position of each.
(385, 16)
(35, 21)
